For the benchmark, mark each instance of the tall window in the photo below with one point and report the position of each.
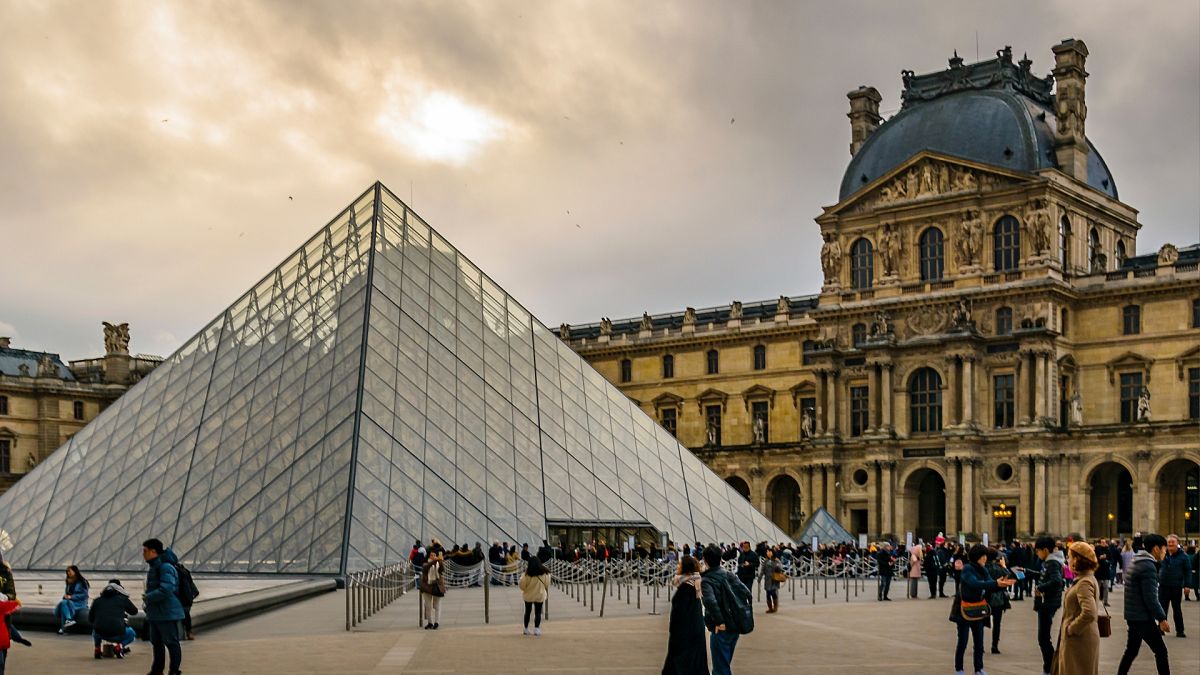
(759, 411)
(925, 401)
(670, 420)
(1121, 255)
(668, 366)
(858, 334)
(1004, 396)
(77, 408)
(1064, 322)
(1131, 390)
(626, 370)
(714, 362)
(860, 410)
(806, 350)
(862, 264)
(760, 357)
(1064, 242)
(1131, 319)
(1094, 250)
(3, 405)
(1006, 244)
(1196, 313)
(1004, 321)
(5, 456)
(1194, 393)
(933, 257)
(712, 419)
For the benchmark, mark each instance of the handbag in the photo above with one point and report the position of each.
(1104, 623)
(974, 611)
(779, 577)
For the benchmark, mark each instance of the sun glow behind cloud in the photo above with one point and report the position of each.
(438, 126)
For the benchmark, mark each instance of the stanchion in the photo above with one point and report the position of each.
(603, 595)
(486, 594)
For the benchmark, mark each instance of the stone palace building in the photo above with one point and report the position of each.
(988, 354)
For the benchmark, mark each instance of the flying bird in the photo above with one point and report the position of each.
(731, 120)
(290, 197)
(164, 120)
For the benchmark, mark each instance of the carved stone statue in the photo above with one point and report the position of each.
(1143, 409)
(689, 316)
(735, 310)
(46, 367)
(710, 435)
(116, 338)
(30, 461)
(831, 259)
(964, 179)
(605, 326)
(760, 431)
(1037, 220)
(960, 318)
(882, 325)
(23, 370)
(927, 186)
(970, 238)
(564, 332)
(889, 250)
(806, 424)
(1077, 410)
(647, 322)
(784, 306)
(1168, 254)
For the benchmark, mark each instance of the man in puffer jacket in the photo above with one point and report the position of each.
(1144, 615)
(1047, 595)
(1173, 575)
(107, 616)
(163, 609)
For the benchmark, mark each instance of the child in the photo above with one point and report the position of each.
(6, 607)
(9, 588)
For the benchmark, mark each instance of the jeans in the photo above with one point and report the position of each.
(126, 639)
(975, 628)
(1045, 620)
(64, 611)
(537, 616)
(3, 658)
(12, 630)
(164, 637)
(1148, 632)
(722, 645)
(1169, 596)
(997, 617)
(885, 585)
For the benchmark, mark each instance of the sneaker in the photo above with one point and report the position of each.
(118, 652)
(537, 632)
(191, 635)
(60, 631)
(995, 650)
(428, 626)
(68, 623)
(125, 651)
(980, 672)
(525, 631)
(435, 626)
(1180, 635)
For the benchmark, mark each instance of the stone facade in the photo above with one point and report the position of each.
(987, 353)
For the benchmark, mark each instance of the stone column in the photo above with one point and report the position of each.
(1143, 505)
(835, 418)
(887, 496)
(885, 398)
(831, 499)
(1039, 494)
(951, 392)
(951, 496)
(822, 408)
(1025, 515)
(874, 501)
(1076, 503)
(1039, 384)
(819, 487)
(875, 421)
(968, 403)
(968, 495)
(1023, 375)
(806, 491)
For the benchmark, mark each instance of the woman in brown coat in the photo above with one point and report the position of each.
(1079, 638)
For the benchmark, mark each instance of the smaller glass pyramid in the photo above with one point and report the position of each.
(822, 525)
(374, 389)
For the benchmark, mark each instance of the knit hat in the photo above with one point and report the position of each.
(939, 540)
(1084, 550)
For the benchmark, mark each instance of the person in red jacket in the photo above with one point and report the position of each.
(6, 607)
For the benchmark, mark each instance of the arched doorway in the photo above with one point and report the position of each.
(785, 504)
(739, 485)
(925, 497)
(1179, 498)
(1111, 509)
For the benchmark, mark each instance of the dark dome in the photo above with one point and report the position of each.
(999, 127)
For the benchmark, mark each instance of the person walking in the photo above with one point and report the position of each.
(747, 565)
(772, 576)
(727, 610)
(1173, 575)
(107, 617)
(8, 587)
(685, 633)
(1104, 569)
(1079, 635)
(164, 611)
(974, 586)
(1144, 615)
(1047, 595)
(74, 599)
(998, 599)
(916, 557)
(887, 570)
(1126, 560)
(1016, 560)
(1194, 558)
(433, 589)
(535, 589)
(941, 561)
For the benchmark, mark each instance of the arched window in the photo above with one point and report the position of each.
(933, 257)
(760, 357)
(1121, 255)
(1004, 321)
(1006, 244)
(858, 334)
(714, 362)
(1064, 242)
(925, 401)
(626, 370)
(1094, 251)
(668, 366)
(862, 264)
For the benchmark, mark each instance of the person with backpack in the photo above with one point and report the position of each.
(187, 593)
(728, 613)
(164, 611)
(535, 590)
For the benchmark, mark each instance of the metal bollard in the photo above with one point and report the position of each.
(603, 595)
(486, 596)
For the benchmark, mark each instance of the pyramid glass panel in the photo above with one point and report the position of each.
(374, 389)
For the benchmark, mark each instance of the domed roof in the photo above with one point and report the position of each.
(993, 114)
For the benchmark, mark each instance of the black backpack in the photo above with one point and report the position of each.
(185, 589)
(739, 608)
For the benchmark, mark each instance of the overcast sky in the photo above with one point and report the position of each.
(596, 159)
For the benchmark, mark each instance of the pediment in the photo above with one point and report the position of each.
(758, 392)
(710, 396)
(927, 176)
(1128, 361)
(1190, 357)
(666, 400)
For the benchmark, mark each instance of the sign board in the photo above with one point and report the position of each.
(985, 538)
(911, 453)
(814, 543)
(631, 544)
(908, 540)
(862, 540)
(626, 547)
(962, 538)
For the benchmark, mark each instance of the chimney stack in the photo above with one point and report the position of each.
(1070, 107)
(4, 342)
(864, 115)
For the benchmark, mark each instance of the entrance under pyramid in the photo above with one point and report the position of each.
(374, 389)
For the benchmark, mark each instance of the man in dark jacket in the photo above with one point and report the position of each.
(107, 616)
(725, 600)
(938, 567)
(886, 571)
(1174, 574)
(1144, 615)
(1016, 558)
(747, 565)
(1047, 595)
(163, 609)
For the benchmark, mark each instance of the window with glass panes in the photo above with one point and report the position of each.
(626, 370)
(925, 401)
(1006, 244)
(860, 410)
(1064, 243)
(1004, 321)
(670, 420)
(1131, 390)
(858, 334)
(668, 366)
(3, 405)
(77, 409)
(714, 362)
(760, 357)
(712, 419)
(933, 257)
(5, 456)
(1196, 313)
(1131, 319)
(758, 411)
(1194, 393)
(862, 264)
(1004, 400)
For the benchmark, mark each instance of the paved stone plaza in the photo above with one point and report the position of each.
(903, 636)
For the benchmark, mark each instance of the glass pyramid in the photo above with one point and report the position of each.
(825, 528)
(373, 389)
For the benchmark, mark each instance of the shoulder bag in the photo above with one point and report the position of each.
(1103, 623)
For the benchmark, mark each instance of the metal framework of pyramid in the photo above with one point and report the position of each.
(825, 528)
(374, 389)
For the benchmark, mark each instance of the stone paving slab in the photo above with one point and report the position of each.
(904, 636)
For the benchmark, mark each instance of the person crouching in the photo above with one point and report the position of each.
(107, 616)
